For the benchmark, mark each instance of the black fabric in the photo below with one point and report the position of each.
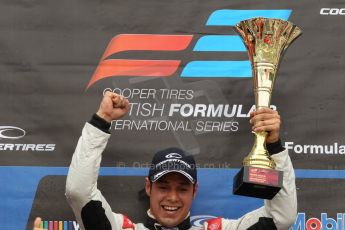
(275, 147)
(152, 224)
(93, 216)
(264, 223)
(173, 159)
(100, 123)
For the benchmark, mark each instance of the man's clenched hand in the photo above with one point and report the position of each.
(113, 106)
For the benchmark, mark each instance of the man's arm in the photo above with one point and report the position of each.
(89, 206)
(283, 207)
(280, 212)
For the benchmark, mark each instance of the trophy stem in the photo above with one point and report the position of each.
(259, 156)
(264, 77)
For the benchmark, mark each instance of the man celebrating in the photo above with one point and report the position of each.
(172, 180)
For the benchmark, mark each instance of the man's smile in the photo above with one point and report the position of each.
(170, 209)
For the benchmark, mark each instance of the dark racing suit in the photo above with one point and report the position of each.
(93, 212)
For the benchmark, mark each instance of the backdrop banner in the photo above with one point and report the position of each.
(188, 78)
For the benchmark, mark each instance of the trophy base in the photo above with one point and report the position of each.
(257, 182)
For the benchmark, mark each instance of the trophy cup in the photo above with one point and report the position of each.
(266, 41)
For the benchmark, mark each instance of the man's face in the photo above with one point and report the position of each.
(171, 198)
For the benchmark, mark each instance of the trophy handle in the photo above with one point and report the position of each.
(259, 156)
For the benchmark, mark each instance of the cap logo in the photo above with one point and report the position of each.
(173, 155)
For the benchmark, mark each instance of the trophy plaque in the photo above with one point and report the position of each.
(266, 41)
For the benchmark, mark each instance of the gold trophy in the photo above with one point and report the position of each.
(266, 41)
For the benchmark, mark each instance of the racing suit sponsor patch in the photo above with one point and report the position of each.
(127, 223)
(214, 224)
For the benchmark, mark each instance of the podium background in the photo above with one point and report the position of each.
(50, 50)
